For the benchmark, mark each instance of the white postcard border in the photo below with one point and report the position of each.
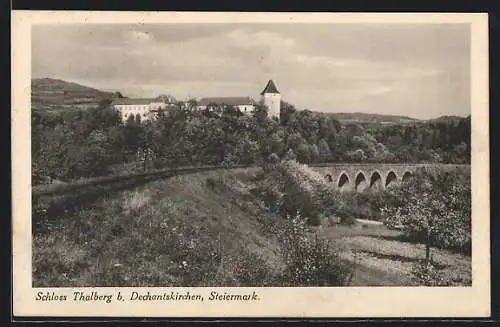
(274, 302)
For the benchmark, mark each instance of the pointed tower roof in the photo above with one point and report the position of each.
(270, 88)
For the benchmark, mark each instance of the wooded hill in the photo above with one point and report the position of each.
(359, 117)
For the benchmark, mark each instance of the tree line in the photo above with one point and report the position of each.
(86, 143)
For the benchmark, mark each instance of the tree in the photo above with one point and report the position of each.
(286, 112)
(304, 153)
(290, 156)
(325, 154)
(103, 116)
(117, 144)
(356, 155)
(272, 142)
(138, 119)
(314, 151)
(133, 135)
(310, 126)
(260, 113)
(381, 154)
(434, 208)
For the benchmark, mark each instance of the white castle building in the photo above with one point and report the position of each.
(270, 97)
(244, 104)
(142, 107)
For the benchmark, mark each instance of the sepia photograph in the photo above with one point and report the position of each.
(240, 155)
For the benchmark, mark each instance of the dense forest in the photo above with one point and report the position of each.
(78, 143)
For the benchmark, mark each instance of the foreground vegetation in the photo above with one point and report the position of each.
(240, 227)
(193, 230)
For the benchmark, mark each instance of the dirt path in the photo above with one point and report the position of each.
(366, 276)
(384, 260)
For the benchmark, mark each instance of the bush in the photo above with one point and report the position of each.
(290, 187)
(270, 163)
(304, 190)
(247, 269)
(364, 205)
(290, 155)
(426, 273)
(346, 217)
(269, 189)
(309, 260)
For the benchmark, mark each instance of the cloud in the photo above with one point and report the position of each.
(412, 70)
(137, 36)
(248, 39)
(379, 90)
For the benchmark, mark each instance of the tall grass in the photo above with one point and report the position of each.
(206, 229)
(137, 239)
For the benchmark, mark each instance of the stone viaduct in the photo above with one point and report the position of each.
(358, 177)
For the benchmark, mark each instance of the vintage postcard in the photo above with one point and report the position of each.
(188, 164)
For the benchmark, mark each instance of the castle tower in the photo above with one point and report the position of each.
(272, 99)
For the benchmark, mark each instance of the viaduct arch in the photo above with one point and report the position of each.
(358, 177)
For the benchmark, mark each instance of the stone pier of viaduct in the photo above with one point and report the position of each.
(357, 177)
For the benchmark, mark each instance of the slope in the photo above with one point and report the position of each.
(56, 94)
(186, 230)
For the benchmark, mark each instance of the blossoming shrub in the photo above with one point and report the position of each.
(270, 190)
(246, 269)
(309, 260)
(305, 190)
(434, 208)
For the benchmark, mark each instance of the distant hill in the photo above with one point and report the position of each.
(446, 119)
(56, 94)
(359, 117)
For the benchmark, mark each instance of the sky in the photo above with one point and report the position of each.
(416, 70)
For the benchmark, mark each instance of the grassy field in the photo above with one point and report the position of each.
(384, 260)
(201, 229)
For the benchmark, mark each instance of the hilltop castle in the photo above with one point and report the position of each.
(270, 97)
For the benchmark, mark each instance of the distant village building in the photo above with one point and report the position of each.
(270, 97)
(143, 108)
